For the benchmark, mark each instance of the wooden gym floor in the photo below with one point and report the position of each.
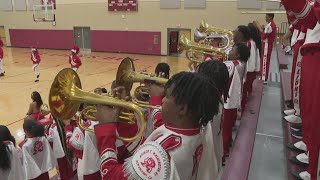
(98, 70)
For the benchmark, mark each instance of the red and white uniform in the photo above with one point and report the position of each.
(309, 89)
(35, 57)
(303, 11)
(1, 57)
(253, 66)
(65, 170)
(267, 37)
(75, 138)
(74, 59)
(237, 71)
(38, 157)
(16, 172)
(216, 126)
(83, 144)
(168, 153)
(155, 114)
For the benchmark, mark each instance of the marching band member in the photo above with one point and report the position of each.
(35, 58)
(156, 95)
(74, 59)
(268, 36)
(65, 170)
(217, 72)
(237, 69)
(75, 140)
(1, 58)
(10, 157)
(309, 99)
(253, 65)
(34, 107)
(242, 35)
(304, 12)
(83, 144)
(179, 148)
(37, 155)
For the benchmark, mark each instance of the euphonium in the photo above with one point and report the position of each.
(66, 95)
(192, 48)
(126, 76)
(206, 28)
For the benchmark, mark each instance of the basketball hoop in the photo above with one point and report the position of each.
(44, 12)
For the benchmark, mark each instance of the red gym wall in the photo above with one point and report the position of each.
(141, 42)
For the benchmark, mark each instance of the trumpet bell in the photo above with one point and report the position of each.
(126, 75)
(123, 74)
(60, 94)
(65, 98)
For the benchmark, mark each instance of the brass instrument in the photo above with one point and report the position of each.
(196, 48)
(66, 95)
(44, 109)
(126, 76)
(141, 94)
(227, 35)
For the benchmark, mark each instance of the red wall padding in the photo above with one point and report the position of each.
(140, 42)
(51, 39)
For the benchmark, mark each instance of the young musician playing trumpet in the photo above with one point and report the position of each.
(176, 150)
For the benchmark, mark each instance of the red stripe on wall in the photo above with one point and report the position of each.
(51, 39)
(140, 42)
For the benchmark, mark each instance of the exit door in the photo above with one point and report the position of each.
(81, 36)
(174, 37)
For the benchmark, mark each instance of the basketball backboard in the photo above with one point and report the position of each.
(44, 11)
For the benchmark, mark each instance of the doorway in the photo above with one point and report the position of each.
(81, 37)
(173, 38)
(3, 35)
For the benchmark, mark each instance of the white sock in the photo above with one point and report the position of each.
(35, 70)
(1, 67)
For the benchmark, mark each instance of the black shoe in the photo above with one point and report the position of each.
(292, 147)
(296, 125)
(37, 80)
(297, 133)
(296, 175)
(38, 76)
(294, 160)
(2, 74)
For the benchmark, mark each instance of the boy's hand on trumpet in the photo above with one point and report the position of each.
(108, 114)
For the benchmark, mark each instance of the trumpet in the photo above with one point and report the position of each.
(195, 50)
(226, 34)
(66, 95)
(126, 76)
(141, 95)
